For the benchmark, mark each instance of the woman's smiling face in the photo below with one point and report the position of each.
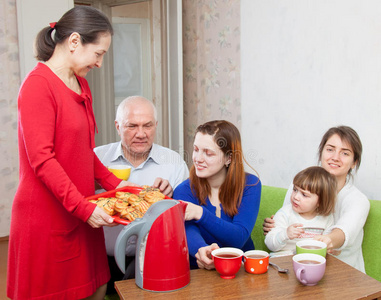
(90, 55)
(208, 159)
(337, 157)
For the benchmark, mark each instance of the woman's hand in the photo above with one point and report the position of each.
(204, 257)
(193, 211)
(99, 218)
(334, 240)
(126, 183)
(326, 239)
(294, 231)
(268, 224)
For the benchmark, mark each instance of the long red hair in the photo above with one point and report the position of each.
(228, 139)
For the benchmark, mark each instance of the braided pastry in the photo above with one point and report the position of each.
(133, 198)
(153, 196)
(107, 204)
(120, 204)
(147, 189)
(124, 212)
(141, 205)
(129, 205)
(131, 213)
(122, 195)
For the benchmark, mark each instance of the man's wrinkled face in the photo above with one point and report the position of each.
(138, 129)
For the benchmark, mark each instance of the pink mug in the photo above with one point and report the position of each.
(309, 268)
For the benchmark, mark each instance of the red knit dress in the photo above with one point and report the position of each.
(53, 252)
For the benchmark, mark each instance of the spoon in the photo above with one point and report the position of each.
(280, 270)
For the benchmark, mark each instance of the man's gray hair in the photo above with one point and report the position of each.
(123, 107)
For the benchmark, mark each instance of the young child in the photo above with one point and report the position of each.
(312, 204)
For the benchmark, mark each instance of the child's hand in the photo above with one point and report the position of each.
(294, 231)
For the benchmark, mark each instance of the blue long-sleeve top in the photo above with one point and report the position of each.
(225, 231)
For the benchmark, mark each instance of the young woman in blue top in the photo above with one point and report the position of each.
(223, 200)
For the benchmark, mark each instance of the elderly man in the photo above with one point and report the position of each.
(151, 164)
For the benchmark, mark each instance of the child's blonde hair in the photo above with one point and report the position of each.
(318, 181)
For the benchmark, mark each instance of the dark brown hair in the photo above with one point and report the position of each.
(88, 21)
(348, 135)
(228, 139)
(318, 181)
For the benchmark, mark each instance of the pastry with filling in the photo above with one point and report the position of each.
(120, 204)
(122, 195)
(131, 213)
(133, 198)
(107, 204)
(141, 205)
(154, 196)
(147, 189)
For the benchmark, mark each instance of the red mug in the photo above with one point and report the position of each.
(227, 261)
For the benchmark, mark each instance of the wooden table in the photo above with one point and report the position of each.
(340, 281)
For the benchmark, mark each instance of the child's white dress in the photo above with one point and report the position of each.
(277, 240)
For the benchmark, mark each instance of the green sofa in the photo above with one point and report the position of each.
(272, 199)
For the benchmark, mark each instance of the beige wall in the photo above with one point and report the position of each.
(9, 85)
(32, 16)
(135, 10)
(211, 42)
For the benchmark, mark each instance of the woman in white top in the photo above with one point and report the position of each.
(339, 153)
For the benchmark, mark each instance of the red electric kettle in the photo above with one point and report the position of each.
(162, 261)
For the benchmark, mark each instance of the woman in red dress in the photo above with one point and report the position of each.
(56, 245)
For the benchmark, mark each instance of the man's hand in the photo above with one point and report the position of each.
(268, 224)
(164, 186)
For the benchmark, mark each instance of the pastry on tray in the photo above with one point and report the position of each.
(153, 196)
(130, 206)
(120, 204)
(122, 195)
(131, 213)
(133, 198)
(147, 189)
(107, 204)
(141, 205)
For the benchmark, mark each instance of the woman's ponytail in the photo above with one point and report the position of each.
(44, 45)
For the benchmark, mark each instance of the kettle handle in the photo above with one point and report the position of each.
(121, 242)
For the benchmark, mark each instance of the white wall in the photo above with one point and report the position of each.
(32, 16)
(308, 65)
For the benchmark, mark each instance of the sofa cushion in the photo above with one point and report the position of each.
(371, 245)
(271, 201)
